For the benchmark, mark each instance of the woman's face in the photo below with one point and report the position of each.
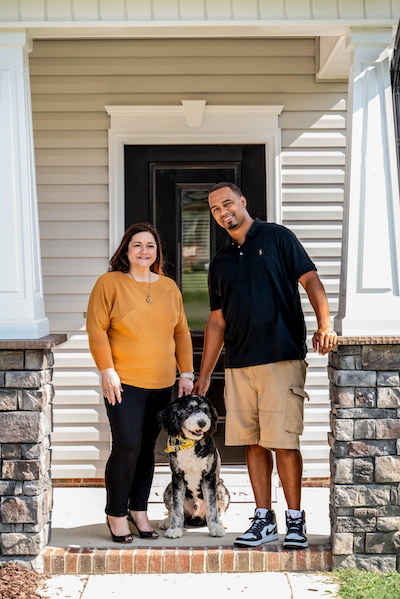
(142, 250)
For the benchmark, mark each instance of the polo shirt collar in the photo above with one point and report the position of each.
(254, 229)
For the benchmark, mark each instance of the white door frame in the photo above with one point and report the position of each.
(192, 123)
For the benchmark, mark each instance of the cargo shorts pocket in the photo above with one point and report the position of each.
(295, 410)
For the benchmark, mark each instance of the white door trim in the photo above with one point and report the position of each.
(168, 125)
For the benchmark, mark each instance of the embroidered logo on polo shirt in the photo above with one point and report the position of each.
(260, 252)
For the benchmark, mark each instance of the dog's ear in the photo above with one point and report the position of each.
(169, 419)
(214, 419)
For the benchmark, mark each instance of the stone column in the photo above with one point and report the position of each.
(22, 313)
(369, 302)
(364, 375)
(26, 396)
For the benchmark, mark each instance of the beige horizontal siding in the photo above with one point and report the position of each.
(71, 83)
(73, 157)
(312, 120)
(68, 285)
(322, 157)
(73, 248)
(71, 139)
(82, 211)
(172, 47)
(172, 65)
(74, 229)
(295, 138)
(180, 83)
(71, 194)
(94, 102)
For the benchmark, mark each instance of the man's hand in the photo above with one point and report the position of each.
(323, 340)
(201, 385)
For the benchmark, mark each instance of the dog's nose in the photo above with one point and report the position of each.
(201, 423)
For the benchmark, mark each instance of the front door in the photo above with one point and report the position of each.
(168, 186)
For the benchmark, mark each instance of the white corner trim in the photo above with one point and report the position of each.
(167, 125)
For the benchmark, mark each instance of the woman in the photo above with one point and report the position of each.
(137, 334)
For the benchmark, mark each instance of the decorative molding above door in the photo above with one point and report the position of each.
(168, 125)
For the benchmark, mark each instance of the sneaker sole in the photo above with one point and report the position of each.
(294, 545)
(274, 537)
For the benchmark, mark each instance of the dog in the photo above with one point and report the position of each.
(196, 496)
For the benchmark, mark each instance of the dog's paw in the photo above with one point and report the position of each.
(164, 524)
(174, 533)
(217, 530)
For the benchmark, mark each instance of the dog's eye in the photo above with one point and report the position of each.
(203, 407)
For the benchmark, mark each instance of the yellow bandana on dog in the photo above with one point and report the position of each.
(178, 443)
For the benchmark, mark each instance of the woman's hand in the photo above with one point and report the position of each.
(111, 385)
(185, 386)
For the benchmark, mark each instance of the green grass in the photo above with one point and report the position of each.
(360, 584)
(197, 309)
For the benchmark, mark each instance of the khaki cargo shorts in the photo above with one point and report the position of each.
(265, 404)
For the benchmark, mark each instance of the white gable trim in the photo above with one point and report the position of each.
(143, 125)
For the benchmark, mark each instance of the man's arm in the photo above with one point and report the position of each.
(213, 342)
(325, 338)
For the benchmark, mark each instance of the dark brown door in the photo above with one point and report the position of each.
(168, 186)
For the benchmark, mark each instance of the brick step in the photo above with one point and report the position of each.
(170, 560)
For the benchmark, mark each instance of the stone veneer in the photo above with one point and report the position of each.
(26, 494)
(365, 453)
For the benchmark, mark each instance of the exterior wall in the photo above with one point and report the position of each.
(365, 460)
(71, 82)
(26, 492)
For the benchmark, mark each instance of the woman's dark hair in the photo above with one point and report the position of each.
(120, 260)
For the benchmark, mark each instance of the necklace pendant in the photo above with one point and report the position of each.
(149, 300)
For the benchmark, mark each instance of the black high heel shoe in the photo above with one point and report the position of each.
(151, 534)
(119, 539)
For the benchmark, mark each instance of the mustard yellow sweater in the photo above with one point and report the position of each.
(142, 341)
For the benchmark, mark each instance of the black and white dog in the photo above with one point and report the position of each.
(196, 496)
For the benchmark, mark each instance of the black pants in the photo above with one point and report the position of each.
(134, 429)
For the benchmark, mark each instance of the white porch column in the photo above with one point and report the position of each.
(370, 279)
(22, 313)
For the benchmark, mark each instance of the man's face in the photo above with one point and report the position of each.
(227, 208)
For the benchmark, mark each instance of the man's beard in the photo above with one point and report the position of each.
(232, 225)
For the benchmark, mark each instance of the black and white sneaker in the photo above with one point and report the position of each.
(262, 530)
(295, 531)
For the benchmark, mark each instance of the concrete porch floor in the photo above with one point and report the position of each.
(78, 521)
(81, 543)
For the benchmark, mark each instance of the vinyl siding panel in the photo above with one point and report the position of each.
(72, 81)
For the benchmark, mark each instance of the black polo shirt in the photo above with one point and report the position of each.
(256, 286)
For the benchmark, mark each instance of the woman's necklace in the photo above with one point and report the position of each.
(148, 298)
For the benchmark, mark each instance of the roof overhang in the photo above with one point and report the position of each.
(332, 57)
(199, 29)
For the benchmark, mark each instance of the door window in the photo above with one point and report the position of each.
(196, 232)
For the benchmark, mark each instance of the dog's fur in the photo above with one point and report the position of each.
(196, 496)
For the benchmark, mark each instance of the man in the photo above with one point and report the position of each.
(256, 311)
